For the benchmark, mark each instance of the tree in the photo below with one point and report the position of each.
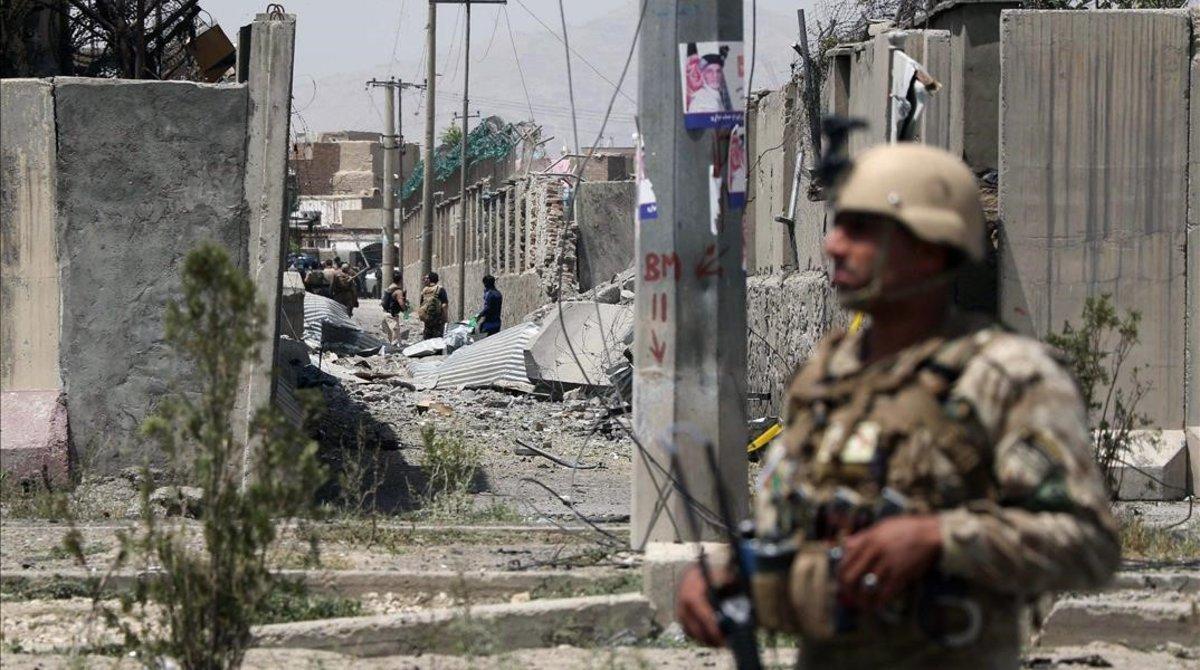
(451, 136)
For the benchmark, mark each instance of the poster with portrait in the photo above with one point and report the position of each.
(712, 75)
(736, 168)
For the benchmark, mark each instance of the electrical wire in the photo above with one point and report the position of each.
(495, 29)
(648, 458)
(562, 13)
(577, 54)
(396, 36)
(517, 59)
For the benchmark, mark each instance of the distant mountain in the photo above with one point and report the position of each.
(341, 102)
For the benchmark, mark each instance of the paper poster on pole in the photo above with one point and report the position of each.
(712, 76)
(647, 203)
(736, 168)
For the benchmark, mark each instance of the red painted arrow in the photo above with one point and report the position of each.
(709, 266)
(657, 349)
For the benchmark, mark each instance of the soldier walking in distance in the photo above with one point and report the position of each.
(935, 473)
(434, 308)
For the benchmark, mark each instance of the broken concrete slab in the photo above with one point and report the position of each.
(588, 621)
(579, 342)
(357, 583)
(1155, 468)
(1133, 623)
(35, 443)
(434, 345)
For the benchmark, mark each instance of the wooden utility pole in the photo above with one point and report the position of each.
(393, 173)
(690, 310)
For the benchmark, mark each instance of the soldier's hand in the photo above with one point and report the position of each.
(884, 559)
(694, 611)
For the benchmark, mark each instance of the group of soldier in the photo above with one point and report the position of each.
(337, 281)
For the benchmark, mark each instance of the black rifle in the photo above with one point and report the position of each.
(733, 605)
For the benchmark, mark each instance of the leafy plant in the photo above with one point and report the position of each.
(450, 465)
(201, 606)
(451, 136)
(1096, 353)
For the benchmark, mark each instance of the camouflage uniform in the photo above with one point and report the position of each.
(979, 426)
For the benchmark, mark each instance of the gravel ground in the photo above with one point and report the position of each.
(365, 415)
(573, 658)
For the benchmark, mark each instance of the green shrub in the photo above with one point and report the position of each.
(1097, 353)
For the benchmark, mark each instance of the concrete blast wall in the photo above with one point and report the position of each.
(29, 292)
(1094, 180)
(972, 78)
(107, 185)
(145, 171)
(604, 212)
(858, 86)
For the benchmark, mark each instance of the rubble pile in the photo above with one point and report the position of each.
(518, 396)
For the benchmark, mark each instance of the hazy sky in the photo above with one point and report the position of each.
(342, 44)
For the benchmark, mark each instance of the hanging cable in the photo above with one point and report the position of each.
(517, 59)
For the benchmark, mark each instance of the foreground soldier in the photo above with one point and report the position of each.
(935, 473)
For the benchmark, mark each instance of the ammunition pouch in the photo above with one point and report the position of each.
(801, 597)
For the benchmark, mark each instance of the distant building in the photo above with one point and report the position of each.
(339, 178)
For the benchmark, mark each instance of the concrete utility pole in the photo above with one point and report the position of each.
(462, 188)
(388, 263)
(462, 192)
(393, 166)
(427, 185)
(690, 310)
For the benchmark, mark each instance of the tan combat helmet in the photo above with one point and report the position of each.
(929, 191)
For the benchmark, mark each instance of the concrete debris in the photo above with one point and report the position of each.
(328, 327)
(434, 406)
(593, 620)
(580, 342)
(185, 501)
(434, 345)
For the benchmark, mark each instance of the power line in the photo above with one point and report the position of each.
(562, 13)
(577, 54)
(396, 36)
(488, 50)
(517, 58)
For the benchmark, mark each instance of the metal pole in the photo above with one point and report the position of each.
(462, 189)
(690, 309)
(427, 187)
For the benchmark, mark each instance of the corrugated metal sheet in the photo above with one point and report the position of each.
(495, 360)
(328, 326)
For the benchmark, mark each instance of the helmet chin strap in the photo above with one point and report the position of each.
(861, 299)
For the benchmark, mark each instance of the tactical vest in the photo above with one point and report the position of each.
(892, 424)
